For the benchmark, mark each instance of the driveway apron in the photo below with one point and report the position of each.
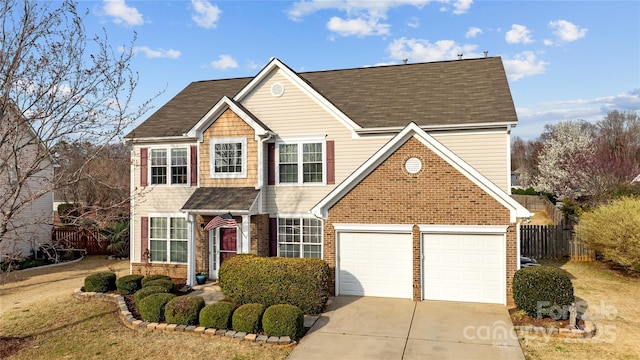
(386, 328)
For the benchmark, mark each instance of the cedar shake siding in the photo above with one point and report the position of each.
(437, 194)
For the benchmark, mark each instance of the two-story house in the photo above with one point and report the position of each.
(397, 176)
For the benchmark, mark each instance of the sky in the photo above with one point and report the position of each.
(565, 60)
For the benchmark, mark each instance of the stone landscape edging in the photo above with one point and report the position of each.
(131, 322)
(589, 331)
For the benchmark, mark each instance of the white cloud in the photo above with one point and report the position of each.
(157, 53)
(358, 27)
(518, 34)
(524, 64)
(473, 32)
(461, 6)
(567, 31)
(414, 22)
(121, 13)
(224, 62)
(421, 50)
(364, 17)
(547, 42)
(206, 15)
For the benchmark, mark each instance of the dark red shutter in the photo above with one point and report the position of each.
(144, 238)
(271, 160)
(331, 163)
(144, 172)
(194, 165)
(273, 237)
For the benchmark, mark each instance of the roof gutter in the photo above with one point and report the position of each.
(215, 212)
(161, 139)
(397, 129)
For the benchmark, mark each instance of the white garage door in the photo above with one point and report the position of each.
(375, 264)
(464, 267)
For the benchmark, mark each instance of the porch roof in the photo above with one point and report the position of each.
(221, 199)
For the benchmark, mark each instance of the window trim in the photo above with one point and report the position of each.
(168, 217)
(300, 242)
(212, 153)
(168, 165)
(300, 163)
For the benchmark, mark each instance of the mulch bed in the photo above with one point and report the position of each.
(546, 322)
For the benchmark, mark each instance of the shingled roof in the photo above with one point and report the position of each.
(459, 92)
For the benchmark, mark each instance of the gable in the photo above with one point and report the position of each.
(413, 131)
(436, 194)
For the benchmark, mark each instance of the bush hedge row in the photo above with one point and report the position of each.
(129, 284)
(150, 278)
(164, 283)
(543, 291)
(146, 291)
(270, 281)
(100, 282)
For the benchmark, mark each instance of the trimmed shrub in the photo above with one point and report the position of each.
(129, 284)
(248, 318)
(152, 307)
(270, 281)
(543, 291)
(164, 283)
(184, 310)
(283, 320)
(218, 315)
(100, 282)
(150, 278)
(144, 292)
(613, 230)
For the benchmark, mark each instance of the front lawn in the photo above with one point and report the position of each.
(612, 304)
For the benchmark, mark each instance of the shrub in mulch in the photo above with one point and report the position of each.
(248, 318)
(150, 278)
(283, 320)
(183, 310)
(102, 282)
(167, 284)
(129, 284)
(152, 308)
(218, 315)
(144, 292)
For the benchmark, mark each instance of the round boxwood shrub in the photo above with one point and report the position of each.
(218, 315)
(543, 291)
(100, 282)
(152, 307)
(164, 283)
(150, 278)
(144, 292)
(184, 310)
(283, 320)
(129, 284)
(248, 318)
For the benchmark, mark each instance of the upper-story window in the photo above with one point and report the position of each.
(229, 158)
(301, 163)
(169, 166)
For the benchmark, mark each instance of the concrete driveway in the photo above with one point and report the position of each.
(384, 328)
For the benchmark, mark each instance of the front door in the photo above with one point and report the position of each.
(223, 243)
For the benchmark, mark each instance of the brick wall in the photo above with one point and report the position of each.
(175, 271)
(260, 234)
(437, 194)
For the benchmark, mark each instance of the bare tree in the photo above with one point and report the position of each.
(55, 84)
(524, 160)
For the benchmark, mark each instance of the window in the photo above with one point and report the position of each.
(300, 163)
(177, 167)
(228, 158)
(300, 238)
(168, 239)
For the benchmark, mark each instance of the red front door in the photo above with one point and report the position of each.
(228, 243)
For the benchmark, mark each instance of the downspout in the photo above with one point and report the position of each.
(269, 136)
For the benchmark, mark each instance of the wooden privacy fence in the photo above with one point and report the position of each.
(74, 238)
(553, 242)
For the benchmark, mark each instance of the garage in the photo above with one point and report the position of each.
(464, 267)
(375, 264)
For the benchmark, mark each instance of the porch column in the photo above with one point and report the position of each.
(245, 246)
(191, 250)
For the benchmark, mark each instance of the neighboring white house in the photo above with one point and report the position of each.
(26, 177)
